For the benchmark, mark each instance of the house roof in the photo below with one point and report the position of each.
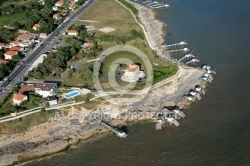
(45, 86)
(56, 15)
(10, 53)
(26, 88)
(64, 11)
(50, 98)
(89, 45)
(19, 96)
(72, 31)
(3, 61)
(77, 56)
(15, 42)
(27, 36)
(72, 5)
(59, 2)
(6, 45)
(36, 26)
(16, 48)
(132, 68)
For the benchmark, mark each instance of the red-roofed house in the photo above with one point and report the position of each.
(3, 61)
(72, 32)
(87, 45)
(72, 6)
(16, 48)
(65, 13)
(10, 54)
(36, 27)
(56, 16)
(59, 3)
(19, 98)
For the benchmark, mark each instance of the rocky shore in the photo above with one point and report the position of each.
(69, 128)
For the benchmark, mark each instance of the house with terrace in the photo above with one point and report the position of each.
(46, 89)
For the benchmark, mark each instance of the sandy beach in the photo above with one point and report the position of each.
(57, 135)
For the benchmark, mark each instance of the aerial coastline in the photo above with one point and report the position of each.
(73, 126)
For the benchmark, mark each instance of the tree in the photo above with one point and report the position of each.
(72, 51)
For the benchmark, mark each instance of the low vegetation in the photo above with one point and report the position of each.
(128, 5)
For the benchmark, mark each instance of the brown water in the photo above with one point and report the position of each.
(216, 130)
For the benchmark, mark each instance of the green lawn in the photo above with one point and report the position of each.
(110, 14)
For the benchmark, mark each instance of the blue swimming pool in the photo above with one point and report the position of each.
(72, 94)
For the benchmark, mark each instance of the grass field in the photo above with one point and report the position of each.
(24, 123)
(110, 14)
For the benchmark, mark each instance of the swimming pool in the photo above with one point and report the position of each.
(72, 94)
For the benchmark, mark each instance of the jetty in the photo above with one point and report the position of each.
(182, 43)
(159, 6)
(182, 49)
(120, 134)
(187, 56)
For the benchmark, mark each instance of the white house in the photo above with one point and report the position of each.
(55, 8)
(52, 100)
(72, 32)
(19, 98)
(132, 73)
(46, 89)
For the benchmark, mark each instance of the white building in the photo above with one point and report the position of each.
(52, 100)
(72, 32)
(55, 8)
(46, 89)
(132, 73)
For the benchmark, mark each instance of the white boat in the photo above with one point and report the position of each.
(122, 134)
(190, 98)
(198, 88)
(171, 120)
(178, 112)
(204, 78)
(206, 74)
(193, 93)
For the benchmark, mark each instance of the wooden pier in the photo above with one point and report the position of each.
(120, 134)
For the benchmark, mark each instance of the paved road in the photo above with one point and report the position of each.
(40, 49)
